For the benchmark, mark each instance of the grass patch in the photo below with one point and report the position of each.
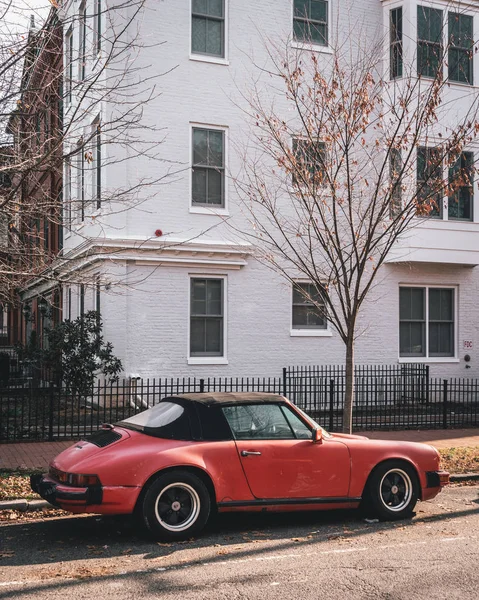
(460, 460)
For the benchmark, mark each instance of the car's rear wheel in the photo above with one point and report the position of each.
(392, 491)
(176, 506)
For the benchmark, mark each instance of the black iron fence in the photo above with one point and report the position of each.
(386, 397)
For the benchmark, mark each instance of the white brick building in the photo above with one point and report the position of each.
(150, 286)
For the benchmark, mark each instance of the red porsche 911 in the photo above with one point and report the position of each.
(190, 454)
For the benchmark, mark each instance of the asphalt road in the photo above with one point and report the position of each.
(298, 556)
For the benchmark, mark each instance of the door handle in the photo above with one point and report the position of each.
(248, 453)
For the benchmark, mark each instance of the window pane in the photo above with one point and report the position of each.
(319, 10)
(299, 428)
(197, 335)
(214, 336)
(301, 8)
(215, 187)
(199, 185)
(214, 296)
(198, 34)
(264, 421)
(215, 8)
(411, 303)
(198, 297)
(300, 30)
(200, 146)
(441, 339)
(214, 37)
(200, 6)
(215, 148)
(319, 34)
(460, 65)
(441, 305)
(411, 339)
(429, 24)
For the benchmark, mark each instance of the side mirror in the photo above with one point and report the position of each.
(317, 436)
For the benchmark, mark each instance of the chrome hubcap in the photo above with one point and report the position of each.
(395, 490)
(177, 506)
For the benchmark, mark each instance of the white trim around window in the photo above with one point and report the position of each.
(209, 360)
(207, 58)
(310, 332)
(209, 209)
(311, 45)
(426, 358)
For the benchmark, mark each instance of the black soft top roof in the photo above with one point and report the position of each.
(211, 398)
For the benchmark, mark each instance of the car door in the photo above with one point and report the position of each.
(279, 458)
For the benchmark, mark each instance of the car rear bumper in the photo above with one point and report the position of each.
(97, 499)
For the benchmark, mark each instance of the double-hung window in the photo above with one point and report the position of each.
(67, 206)
(208, 27)
(461, 181)
(460, 48)
(310, 21)
(429, 41)
(97, 27)
(309, 310)
(309, 162)
(426, 322)
(429, 182)
(395, 43)
(208, 176)
(206, 317)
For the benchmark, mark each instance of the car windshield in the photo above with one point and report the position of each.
(166, 420)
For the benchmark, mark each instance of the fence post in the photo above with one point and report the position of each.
(444, 406)
(331, 404)
(202, 386)
(427, 385)
(50, 413)
(284, 383)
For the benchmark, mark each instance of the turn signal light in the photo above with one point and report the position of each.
(443, 478)
(74, 479)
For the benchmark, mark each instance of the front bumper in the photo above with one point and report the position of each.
(437, 479)
(64, 496)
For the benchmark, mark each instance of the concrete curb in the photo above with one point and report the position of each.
(25, 505)
(465, 477)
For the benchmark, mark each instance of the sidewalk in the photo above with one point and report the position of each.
(37, 455)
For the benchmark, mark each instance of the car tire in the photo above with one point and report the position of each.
(176, 506)
(392, 491)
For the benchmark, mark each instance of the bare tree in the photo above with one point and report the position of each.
(72, 100)
(346, 156)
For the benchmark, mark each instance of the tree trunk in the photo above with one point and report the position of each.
(349, 392)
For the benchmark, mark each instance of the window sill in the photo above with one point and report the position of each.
(311, 333)
(204, 210)
(207, 360)
(216, 60)
(429, 360)
(312, 47)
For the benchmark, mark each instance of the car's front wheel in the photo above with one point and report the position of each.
(392, 491)
(176, 506)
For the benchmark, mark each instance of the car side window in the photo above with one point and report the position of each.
(301, 431)
(258, 422)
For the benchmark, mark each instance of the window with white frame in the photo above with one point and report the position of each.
(427, 322)
(69, 65)
(310, 162)
(308, 307)
(82, 42)
(461, 185)
(395, 170)
(429, 40)
(206, 317)
(429, 181)
(395, 43)
(81, 183)
(208, 27)
(310, 21)
(208, 177)
(460, 48)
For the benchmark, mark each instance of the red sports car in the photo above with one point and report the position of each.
(191, 454)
